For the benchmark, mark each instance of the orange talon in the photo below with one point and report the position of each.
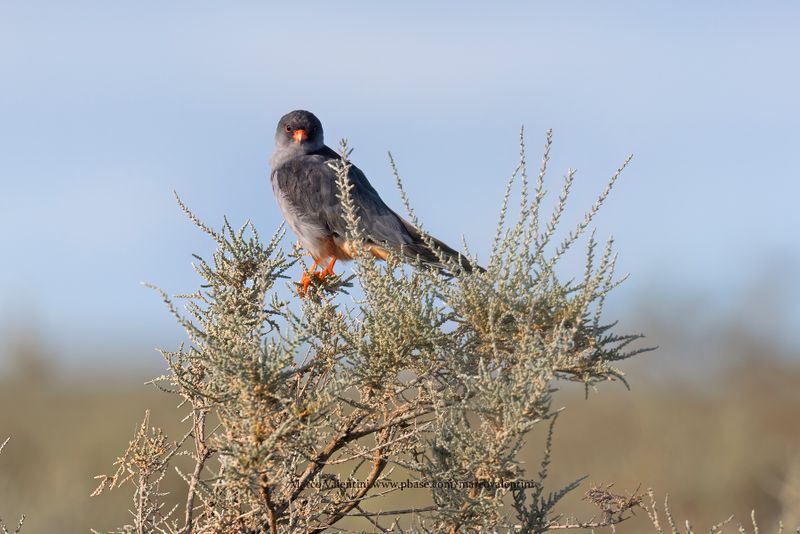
(305, 279)
(328, 270)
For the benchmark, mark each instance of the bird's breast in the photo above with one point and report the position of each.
(306, 226)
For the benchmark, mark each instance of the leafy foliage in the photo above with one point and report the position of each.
(306, 413)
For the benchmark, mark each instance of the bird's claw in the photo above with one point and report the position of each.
(302, 285)
(306, 279)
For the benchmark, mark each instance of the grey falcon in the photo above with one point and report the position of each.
(305, 187)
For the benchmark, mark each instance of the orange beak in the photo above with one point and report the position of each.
(299, 135)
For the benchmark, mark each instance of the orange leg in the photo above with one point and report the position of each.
(328, 270)
(305, 279)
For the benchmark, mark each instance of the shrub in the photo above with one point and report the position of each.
(309, 414)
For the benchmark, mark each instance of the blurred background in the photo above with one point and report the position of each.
(105, 108)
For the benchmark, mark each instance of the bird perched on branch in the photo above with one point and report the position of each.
(305, 187)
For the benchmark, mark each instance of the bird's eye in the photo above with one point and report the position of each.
(288, 128)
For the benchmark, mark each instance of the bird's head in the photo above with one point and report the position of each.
(300, 131)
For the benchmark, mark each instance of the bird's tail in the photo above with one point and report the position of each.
(419, 248)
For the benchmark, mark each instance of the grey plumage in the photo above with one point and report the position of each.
(305, 187)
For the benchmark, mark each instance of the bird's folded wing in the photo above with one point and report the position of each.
(309, 184)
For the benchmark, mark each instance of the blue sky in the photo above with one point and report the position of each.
(105, 108)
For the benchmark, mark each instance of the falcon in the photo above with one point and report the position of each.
(304, 184)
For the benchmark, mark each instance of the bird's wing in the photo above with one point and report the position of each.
(309, 184)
